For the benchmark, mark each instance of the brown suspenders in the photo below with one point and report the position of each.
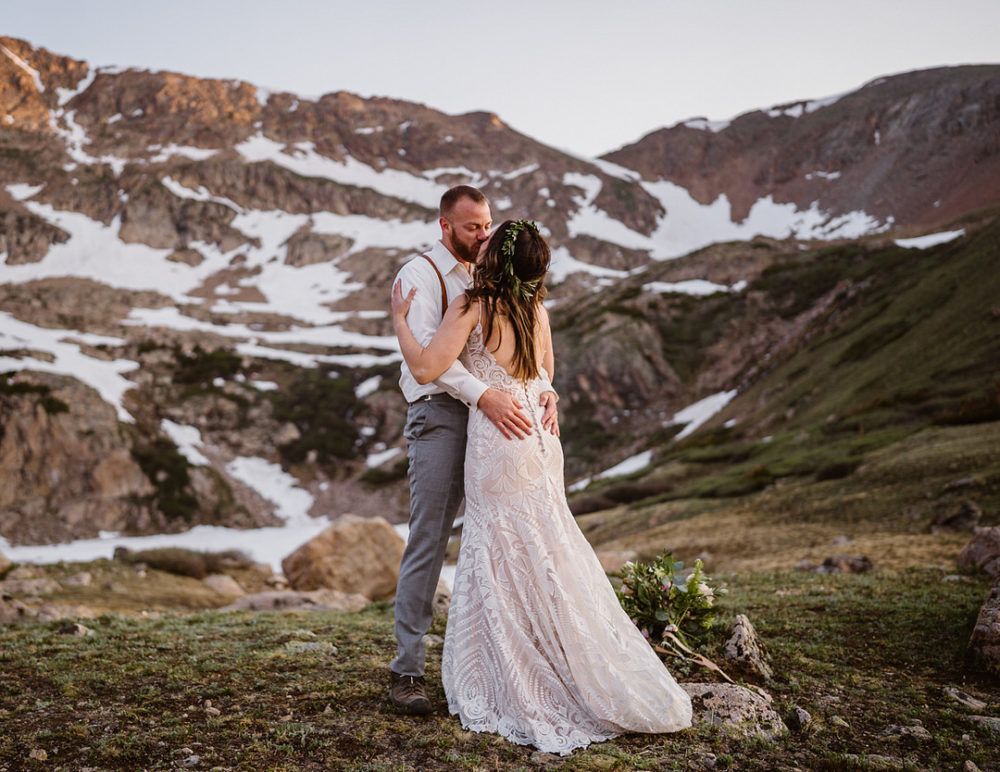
(444, 295)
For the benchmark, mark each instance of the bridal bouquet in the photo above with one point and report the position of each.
(663, 599)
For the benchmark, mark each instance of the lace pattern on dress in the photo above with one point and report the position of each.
(537, 648)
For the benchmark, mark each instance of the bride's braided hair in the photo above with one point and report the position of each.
(510, 280)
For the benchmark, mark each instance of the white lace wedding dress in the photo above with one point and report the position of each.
(537, 647)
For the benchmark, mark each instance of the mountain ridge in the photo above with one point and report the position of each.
(208, 258)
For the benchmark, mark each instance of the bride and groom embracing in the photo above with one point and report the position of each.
(537, 647)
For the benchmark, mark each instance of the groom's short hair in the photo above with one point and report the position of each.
(453, 195)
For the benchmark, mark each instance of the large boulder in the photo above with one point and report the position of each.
(983, 551)
(984, 644)
(354, 555)
(736, 709)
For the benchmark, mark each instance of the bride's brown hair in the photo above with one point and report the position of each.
(509, 279)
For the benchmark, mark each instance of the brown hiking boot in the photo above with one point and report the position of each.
(409, 694)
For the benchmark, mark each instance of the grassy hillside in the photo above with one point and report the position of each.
(852, 428)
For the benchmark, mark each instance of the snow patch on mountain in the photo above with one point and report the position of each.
(62, 353)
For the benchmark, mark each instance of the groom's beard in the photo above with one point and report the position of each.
(468, 253)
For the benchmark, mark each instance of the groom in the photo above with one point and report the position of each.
(435, 434)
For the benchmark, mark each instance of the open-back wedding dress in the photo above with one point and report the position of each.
(537, 647)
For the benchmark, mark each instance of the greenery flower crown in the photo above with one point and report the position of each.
(525, 289)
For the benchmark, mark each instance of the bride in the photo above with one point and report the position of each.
(537, 647)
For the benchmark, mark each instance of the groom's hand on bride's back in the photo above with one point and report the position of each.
(505, 413)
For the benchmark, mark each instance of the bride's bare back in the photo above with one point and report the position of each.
(501, 342)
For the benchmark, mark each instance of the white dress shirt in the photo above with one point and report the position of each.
(424, 317)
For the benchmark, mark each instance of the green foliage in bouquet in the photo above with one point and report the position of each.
(661, 598)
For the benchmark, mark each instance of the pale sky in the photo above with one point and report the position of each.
(580, 75)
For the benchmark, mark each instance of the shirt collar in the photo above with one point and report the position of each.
(445, 260)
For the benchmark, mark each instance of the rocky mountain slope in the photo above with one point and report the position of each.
(194, 274)
(915, 150)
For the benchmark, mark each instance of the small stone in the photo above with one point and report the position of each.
(845, 564)
(799, 718)
(432, 641)
(213, 711)
(224, 585)
(327, 710)
(989, 722)
(82, 579)
(877, 761)
(286, 718)
(838, 540)
(38, 754)
(76, 629)
(969, 766)
(964, 516)
(957, 485)
(191, 761)
(838, 721)
(897, 731)
(964, 698)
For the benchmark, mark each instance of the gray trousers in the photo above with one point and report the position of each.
(435, 435)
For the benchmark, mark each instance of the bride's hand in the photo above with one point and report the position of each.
(401, 305)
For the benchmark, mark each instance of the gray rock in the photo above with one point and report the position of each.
(983, 551)
(13, 610)
(961, 484)
(224, 585)
(745, 651)
(33, 587)
(316, 600)
(984, 644)
(895, 731)
(76, 629)
(963, 516)
(799, 718)
(878, 761)
(82, 579)
(964, 698)
(845, 564)
(990, 722)
(736, 709)
(838, 721)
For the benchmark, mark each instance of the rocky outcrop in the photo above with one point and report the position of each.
(354, 555)
(66, 467)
